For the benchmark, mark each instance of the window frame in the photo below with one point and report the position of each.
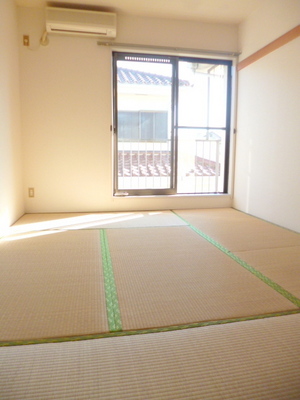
(174, 60)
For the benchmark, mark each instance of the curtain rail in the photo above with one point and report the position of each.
(179, 50)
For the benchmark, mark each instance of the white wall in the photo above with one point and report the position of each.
(66, 113)
(268, 131)
(11, 190)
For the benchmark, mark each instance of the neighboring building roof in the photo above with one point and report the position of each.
(133, 77)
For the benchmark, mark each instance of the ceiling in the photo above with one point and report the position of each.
(219, 11)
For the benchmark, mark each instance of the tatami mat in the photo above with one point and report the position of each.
(238, 231)
(272, 250)
(51, 286)
(254, 360)
(172, 276)
(70, 221)
(57, 273)
(64, 281)
(282, 265)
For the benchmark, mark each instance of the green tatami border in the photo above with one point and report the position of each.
(111, 297)
(295, 300)
(146, 331)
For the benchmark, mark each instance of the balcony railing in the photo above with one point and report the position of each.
(199, 167)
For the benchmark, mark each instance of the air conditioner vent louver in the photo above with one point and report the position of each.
(80, 22)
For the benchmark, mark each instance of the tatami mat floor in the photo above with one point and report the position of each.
(246, 360)
(244, 267)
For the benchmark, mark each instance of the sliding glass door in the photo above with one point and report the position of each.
(203, 128)
(171, 124)
(144, 124)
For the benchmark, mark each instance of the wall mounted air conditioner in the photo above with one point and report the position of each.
(81, 22)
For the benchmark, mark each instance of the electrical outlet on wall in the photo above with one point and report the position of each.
(26, 40)
(30, 192)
